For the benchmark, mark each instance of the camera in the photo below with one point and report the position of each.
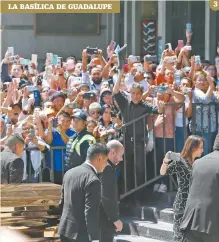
(152, 58)
(160, 89)
(92, 51)
(13, 58)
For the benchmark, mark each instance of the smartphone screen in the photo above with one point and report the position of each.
(37, 98)
(112, 45)
(55, 122)
(32, 132)
(54, 59)
(11, 50)
(24, 62)
(34, 59)
(180, 43)
(189, 27)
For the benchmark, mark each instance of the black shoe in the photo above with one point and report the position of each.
(121, 56)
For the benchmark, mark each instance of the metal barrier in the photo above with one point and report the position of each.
(132, 156)
(139, 167)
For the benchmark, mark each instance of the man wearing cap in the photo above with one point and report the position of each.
(88, 97)
(76, 149)
(12, 166)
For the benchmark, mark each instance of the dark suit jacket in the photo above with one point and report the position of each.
(12, 167)
(202, 208)
(80, 203)
(109, 212)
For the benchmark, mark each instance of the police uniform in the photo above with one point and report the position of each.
(78, 144)
(131, 111)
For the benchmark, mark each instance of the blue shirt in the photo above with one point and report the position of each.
(57, 154)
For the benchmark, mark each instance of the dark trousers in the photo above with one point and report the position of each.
(58, 177)
(135, 161)
(81, 238)
(196, 236)
(106, 235)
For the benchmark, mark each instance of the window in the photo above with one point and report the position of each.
(67, 24)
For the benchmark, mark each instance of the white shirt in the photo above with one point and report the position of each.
(179, 113)
(88, 163)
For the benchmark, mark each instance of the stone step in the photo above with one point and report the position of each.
(147, 213)
(159, 231)
(166, 215)
(134, 238)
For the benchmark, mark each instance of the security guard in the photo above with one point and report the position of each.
(76, 148)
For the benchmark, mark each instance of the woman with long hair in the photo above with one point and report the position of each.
(181, 166)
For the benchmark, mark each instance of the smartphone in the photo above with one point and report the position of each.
(187, 90)
(24, 62)
(169, 46)
(140, 68)
(180, 44)
(49, 56)
(31, 88)
(37, 102)
(88, 95)
(160, 89)
(188, 47)
(55, 122)
(92, 51)
(112, 45)
(189, 27)
(48, 71)
(11, 50)
(172, 59)
(134, 59)
(173, 156)
(197, 60)
(72, 105)
(65, 91)
(177, 78)
(60, 62)
(113, 115)
(152, 58)
(76, 79)
(32, 132)
(54, 59)
(34, 58)
(39, 80)
(111, 83)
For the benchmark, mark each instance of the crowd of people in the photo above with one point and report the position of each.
(62, 118)
(70, 105)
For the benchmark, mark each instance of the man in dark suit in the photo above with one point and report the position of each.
(81, 198)
(201, 216)
(12, 166)
(109, 211)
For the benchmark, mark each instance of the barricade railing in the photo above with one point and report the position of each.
(141, 167)
(163, 142)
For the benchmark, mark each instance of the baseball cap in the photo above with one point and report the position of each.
(80, 114)
(106, 91)
(84, 84)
